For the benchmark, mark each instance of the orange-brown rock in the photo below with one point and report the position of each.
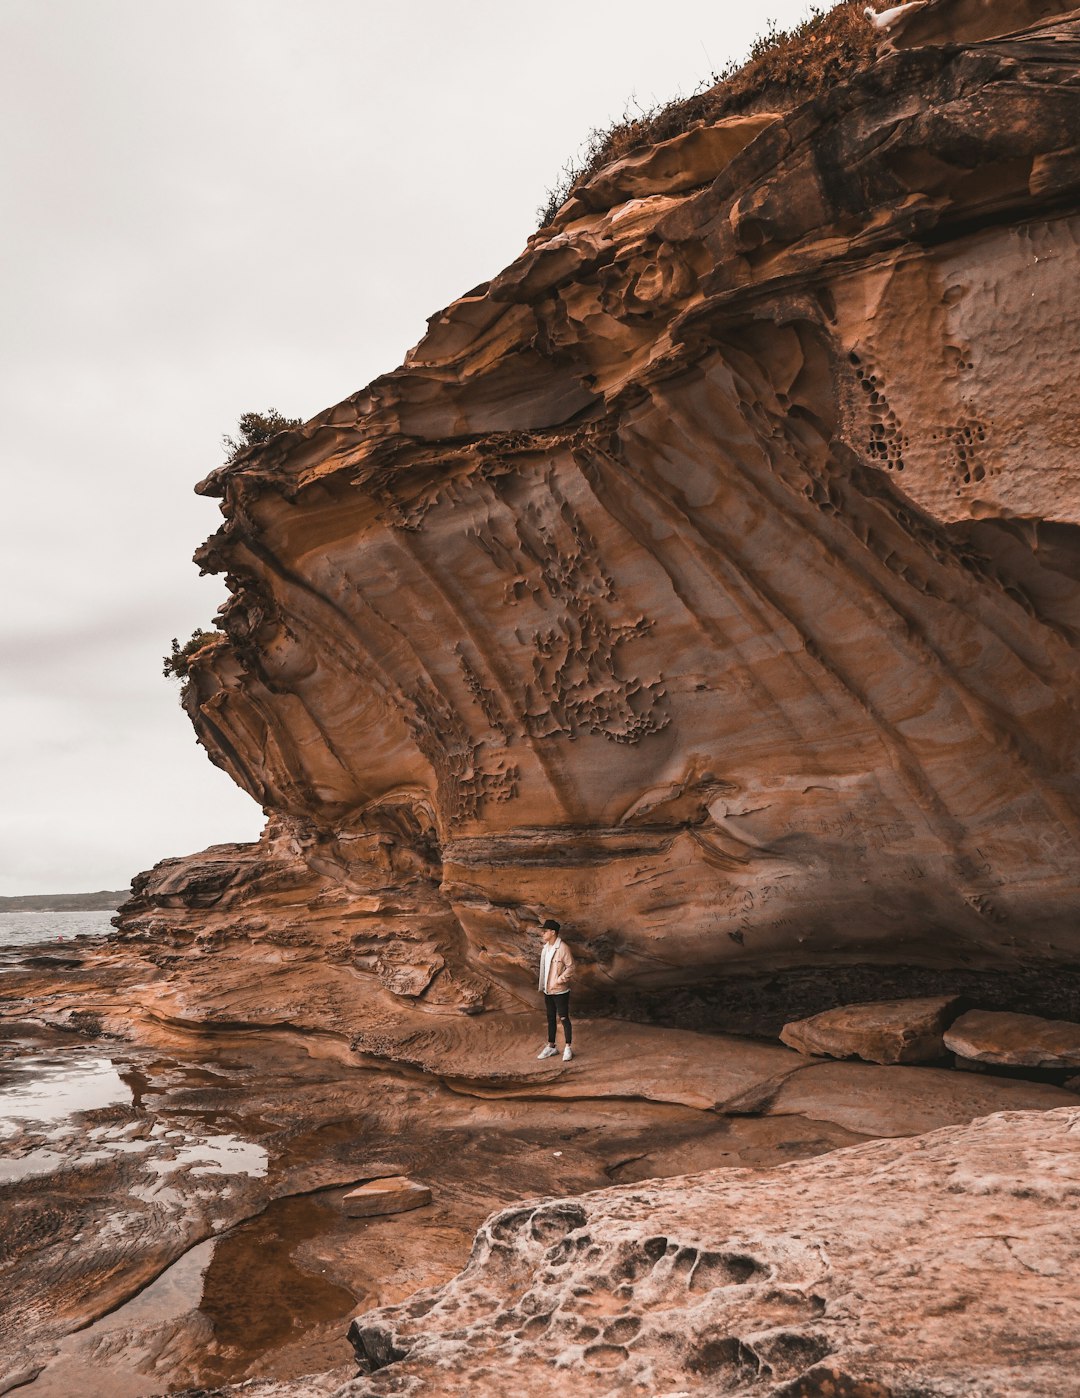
(710, 578)
(935, 1266)
(888, 1031)
(1028, 1041)
(392, 1195)
(256, 1075)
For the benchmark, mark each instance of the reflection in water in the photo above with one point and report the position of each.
(167, 1133)
(170, 1297)
(257, 1295)
(216, 1155)
(116, 1356)
(42, 1089)
(32, 1162)
(49, 1087)
(207, 1319)
(137, 1083)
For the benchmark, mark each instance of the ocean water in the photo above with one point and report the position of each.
(24, 929)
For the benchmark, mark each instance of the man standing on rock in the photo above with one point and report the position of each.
(556, 972)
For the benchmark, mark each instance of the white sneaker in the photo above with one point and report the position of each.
(567, 1054)
(548, 1051)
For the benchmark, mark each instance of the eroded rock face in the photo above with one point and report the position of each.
(928, 1266)
(890, 1031)
(709, 578)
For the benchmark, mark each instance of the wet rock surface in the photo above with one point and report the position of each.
(889, 1031)
(1020, 1040)
(232, 1136)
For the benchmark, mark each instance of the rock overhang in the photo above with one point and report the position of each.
(738, 488)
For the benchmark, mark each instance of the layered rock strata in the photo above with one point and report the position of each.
(708, 578)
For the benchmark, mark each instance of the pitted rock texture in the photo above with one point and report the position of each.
(889, 1031)
(711, 576)
(934, 1266)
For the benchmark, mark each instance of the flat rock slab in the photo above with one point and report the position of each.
(1025, 1041)
(495, 1056)
(874, 1100)
(392, 1195)
(886, 1031)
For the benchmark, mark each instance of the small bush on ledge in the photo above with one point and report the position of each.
(176, 664)
(256, 428)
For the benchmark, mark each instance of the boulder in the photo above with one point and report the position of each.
(1024, 1041)
(394, 1194)
(887, 1031)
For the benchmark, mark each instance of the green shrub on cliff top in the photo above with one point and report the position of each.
(253, 430)
(256, 428)
(176, 664)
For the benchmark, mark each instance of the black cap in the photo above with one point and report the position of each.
(550, 925)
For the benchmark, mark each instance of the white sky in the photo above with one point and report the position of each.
(211, 206)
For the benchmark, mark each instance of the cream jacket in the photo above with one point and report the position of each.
(560, 970)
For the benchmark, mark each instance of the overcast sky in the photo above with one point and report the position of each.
(211, 206)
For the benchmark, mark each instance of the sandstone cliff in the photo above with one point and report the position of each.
(709, 578)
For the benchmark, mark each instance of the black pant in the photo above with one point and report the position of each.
(559, 1005)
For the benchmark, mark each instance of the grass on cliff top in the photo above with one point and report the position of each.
(784, 68)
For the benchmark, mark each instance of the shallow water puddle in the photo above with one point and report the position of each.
(41, 1090)
(108, 1358)
(225, 1304)
(48, 1087)
(32, 1162)
(174, 1133)
(260, 1298)
(216, 1155)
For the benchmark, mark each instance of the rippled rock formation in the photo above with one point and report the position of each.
(708, 578)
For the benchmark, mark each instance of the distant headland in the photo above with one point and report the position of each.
(104, 900)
